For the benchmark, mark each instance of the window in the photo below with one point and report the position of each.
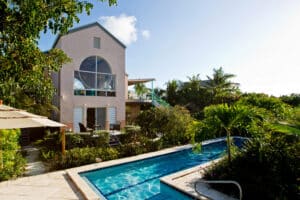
(94, 78)
(97, 42)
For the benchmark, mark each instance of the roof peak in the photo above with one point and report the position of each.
(87, 26)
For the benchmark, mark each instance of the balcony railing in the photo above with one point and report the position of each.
(94, 84)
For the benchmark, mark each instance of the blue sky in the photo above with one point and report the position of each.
(258, 41)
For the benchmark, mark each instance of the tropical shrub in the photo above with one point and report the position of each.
(240, 120)
(275, 107)
(12, 164)
(170, 122)
(52, 141)
(132, 134)
(81, 156)
(267, 168)
(292, 100)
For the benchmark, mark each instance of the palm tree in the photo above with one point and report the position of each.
(219, 85)
(172, 92)
(140, 89)
(228, 118)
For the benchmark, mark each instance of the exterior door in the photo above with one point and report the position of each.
(96, 118)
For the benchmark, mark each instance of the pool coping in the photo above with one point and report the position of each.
(86, 189)
(191, 176)
(90, 194)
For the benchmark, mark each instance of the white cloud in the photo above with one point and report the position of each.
(146, 34)
(123, 27)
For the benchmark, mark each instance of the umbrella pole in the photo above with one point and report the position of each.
(63, 142)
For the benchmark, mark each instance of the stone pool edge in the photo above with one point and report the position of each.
(85, 188)
(89, 194)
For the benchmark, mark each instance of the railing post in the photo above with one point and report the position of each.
(152, 91)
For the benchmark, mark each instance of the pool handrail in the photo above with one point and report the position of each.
(220, 182)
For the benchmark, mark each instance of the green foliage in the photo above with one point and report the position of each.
(240, 120)
(132, 134)
(268, 167)
(292, 100)
(82, 156)
(172, 92)
(221, 88)
(171, 122)
(142, 145)
(295, 119)
(140, 89)
(227, 120)
(12, 164)
(273, 105)
(195, 94)
(285, 128)
(25, 80)
(52, 141)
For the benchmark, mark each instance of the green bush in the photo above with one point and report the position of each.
(82, 156)
(12, 164)
(241, 120)
(52, 141)
(273, 105)
(171, 122)
(267, 168)
(292, 99)
(131, 134)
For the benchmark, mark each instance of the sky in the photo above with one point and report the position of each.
(258, 41)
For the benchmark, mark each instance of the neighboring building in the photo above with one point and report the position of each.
(92, 89)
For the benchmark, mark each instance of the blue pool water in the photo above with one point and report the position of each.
(140, 179)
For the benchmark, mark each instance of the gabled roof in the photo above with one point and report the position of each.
(88, 26)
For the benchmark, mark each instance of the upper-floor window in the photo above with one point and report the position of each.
(94, 78)
(97, 42)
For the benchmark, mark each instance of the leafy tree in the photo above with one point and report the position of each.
(220, 87)
(275, 107)
(195, 93)
(25, 71)
(172, 92)
(171, 122)
(292, 100)
(195, 97)
(267, 167)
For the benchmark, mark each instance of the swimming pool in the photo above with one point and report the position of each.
(141, 179)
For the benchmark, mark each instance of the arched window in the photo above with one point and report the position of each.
(95, 64)
(94, 78)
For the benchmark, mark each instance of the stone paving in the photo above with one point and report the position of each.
(34, 166)
(50, 186)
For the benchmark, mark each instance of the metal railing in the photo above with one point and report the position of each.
(220, 182)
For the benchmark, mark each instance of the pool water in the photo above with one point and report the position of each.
(140, 179)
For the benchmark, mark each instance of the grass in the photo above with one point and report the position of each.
(285, 128)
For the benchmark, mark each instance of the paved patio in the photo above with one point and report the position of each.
(50, 186)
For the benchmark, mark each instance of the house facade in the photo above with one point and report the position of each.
(92, 88)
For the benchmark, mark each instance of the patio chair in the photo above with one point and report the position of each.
(84, 129)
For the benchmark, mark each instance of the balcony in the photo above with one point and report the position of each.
(94, 84)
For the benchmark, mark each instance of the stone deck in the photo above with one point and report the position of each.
(50, 186)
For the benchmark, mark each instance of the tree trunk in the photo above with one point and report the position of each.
(228, 146)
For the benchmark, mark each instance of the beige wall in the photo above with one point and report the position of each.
(126, 86)
(78, 45)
